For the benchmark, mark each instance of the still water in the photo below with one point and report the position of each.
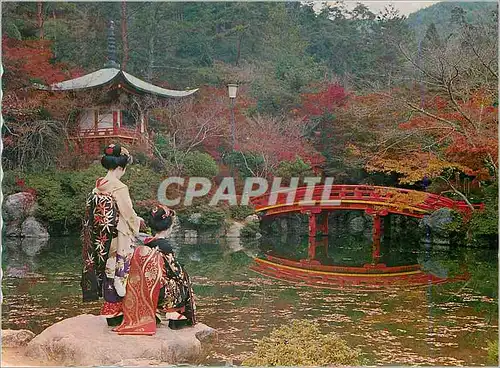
(432, 323)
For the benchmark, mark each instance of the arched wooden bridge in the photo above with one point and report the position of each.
(375, 201)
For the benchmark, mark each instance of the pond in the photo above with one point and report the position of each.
(445, 323)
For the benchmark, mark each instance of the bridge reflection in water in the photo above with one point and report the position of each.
(319, 270)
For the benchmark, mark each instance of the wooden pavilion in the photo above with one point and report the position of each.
(115, 116)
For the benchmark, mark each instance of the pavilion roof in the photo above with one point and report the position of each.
(111, 75)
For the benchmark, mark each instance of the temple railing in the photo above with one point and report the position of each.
(363, 197)
(121, 132)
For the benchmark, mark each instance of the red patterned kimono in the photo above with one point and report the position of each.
(145, 280)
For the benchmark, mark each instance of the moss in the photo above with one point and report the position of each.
(302, 344)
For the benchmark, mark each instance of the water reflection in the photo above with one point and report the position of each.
(441, 325)
(327, 265)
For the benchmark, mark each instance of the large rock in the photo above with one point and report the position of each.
(86, 340)
(31, 228)
(438, 221)
(16, 338)
(435, 227)
(18, 210)
(23, 251)
(13, 229)
(18, 206)
(252, 218)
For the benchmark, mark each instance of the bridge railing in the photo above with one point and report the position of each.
(328, 195)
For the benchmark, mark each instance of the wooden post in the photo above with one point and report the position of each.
(115, 122)
(377, 227)
(96, 120)
(311, 250)
(312, 225)
(376, 251)
(323, 223)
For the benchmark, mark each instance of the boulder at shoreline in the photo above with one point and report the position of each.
(86, 340)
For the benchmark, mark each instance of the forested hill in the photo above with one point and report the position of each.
(361, 97)
(441, 14)
(278, 49)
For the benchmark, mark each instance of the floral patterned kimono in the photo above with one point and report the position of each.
(109, 231)
(157, 285)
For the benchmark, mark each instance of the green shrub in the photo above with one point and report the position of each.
(250, 229)
(245, 163)
(240, 212)
(209, 218)
(142, 181)
(493, 353)
(297, 168)
(484, 224)
(213, 219)
(199, 164)
(61, 195)
(10, 183)
(302, 344)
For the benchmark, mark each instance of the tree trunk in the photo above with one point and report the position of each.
(40, 20)
(152, 30)
(124, 34)
(238, 54)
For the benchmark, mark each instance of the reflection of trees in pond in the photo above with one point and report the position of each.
(345, 250)
(213, 262)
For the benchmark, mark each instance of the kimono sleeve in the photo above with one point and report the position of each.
(128, 220)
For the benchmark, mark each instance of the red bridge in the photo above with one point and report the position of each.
(375, 201)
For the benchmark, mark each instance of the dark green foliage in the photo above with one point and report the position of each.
(204, 218)
(246, 163)
(444, 15)
(199, 164)
(291, 169)
(484, 224)
(142, 182)
(250, 230)
(240, 212)
(10, 183)
(61, 195)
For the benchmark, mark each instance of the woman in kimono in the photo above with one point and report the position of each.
(109, 231)
(159, 288)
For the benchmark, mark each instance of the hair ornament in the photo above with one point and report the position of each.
(109, 150)
(124, 151)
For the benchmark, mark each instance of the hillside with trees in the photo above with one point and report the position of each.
(364, 97)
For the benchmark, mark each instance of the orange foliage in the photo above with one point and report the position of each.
(442, 135)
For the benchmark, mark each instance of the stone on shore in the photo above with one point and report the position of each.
(16, 338)
(86, 340)
(32, 228)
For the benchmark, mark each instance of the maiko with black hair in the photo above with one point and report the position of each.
(158, 283)
(109, 232)
(115, 156)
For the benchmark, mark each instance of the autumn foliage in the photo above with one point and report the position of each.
(28, 61)
(441, 137)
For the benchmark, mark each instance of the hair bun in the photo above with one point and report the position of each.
(113, 150)
(161, 217)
